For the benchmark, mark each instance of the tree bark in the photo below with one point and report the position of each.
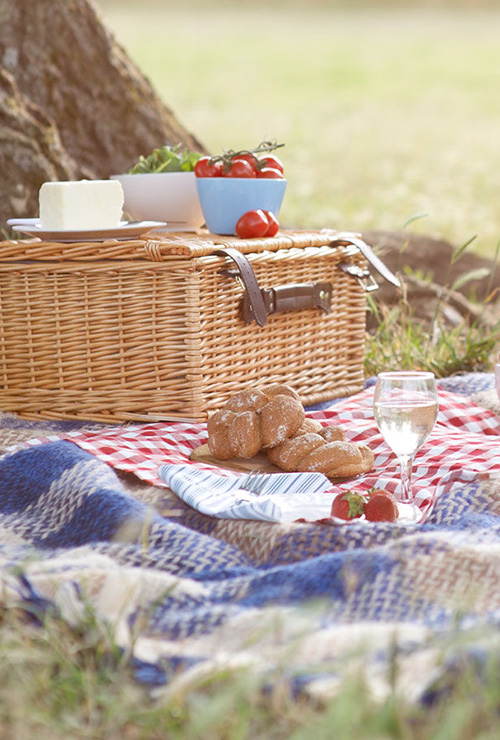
(72, 104)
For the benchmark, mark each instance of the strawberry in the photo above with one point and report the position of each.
(381, 506)
(348, 505)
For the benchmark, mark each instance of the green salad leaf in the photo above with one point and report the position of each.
(166, 159)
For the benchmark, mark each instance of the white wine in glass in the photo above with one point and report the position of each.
(405, 406)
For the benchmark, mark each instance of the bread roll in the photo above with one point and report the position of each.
(273, 419)
(254, 419)
(279, 419)
(337, 459)
(288, 454)
(309, 425)
(325, 452)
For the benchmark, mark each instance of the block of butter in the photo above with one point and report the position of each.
(81, 204)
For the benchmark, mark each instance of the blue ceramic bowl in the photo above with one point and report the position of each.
(224, 199)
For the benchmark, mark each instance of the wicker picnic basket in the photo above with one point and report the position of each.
(162, 327)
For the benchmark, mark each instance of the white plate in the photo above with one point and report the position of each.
(405, 516)
(125, 230)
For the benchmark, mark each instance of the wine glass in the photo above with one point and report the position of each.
(405, 406)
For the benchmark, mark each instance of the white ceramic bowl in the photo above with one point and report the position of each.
(163, 196)
(497, 379)
(225, 199)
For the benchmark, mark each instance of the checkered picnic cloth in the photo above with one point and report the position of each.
(186, 594)
(463, 446)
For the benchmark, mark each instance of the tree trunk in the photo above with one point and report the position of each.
(72, 104)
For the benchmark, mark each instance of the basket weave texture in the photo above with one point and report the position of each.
(150, 329)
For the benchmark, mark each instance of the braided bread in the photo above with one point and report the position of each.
(254, 419)
(325, 452)
(273, 419)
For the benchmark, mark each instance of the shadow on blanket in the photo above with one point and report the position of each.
(191, 593)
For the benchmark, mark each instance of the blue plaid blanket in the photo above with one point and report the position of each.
(188, 594)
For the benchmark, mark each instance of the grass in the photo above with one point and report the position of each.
(57, 683)
(386, 115)
(401, 340)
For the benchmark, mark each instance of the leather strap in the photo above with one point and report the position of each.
(258, 302)
(247, 275)
(368, 254)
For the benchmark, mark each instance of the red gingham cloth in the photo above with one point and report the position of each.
(463, 445)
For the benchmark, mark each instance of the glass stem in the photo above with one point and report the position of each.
(405, 462)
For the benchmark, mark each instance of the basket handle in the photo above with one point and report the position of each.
(258, 302)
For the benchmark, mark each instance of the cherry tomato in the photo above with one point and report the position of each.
(240, 168)
(252, 160)
(204, 168)
(252, 224)
(270, 173)
(274, 225)
(270, 160)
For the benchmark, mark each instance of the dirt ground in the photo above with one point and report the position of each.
(426, 267)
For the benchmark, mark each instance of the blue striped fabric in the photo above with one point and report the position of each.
(283, 497)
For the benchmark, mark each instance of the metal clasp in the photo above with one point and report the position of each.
(362, 275)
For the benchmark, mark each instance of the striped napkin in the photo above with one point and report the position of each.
(284, 497)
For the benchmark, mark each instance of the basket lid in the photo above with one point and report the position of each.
(156, 246)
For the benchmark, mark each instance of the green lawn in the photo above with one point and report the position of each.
(387, 117)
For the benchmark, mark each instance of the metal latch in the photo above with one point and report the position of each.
(362, 275)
